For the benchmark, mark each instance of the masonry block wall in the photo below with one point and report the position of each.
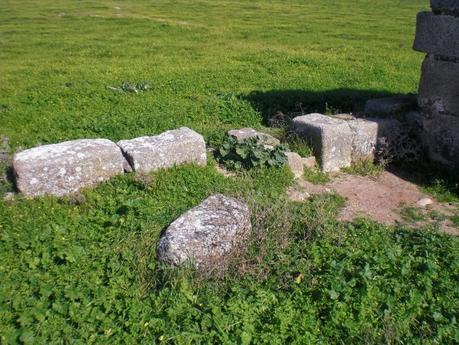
(437, 34)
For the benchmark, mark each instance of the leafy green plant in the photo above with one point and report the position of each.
(249, 154)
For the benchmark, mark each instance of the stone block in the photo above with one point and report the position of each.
(437, 34)
(295, 163)
(367, 132)
(179, 146)
(441, 137)
(445, 6)
(330, 138)
(390, 105)
(309, 162)
(205, 234)
(439, 87)
(64, 168)
(246, 133)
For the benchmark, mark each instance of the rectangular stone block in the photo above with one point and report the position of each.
(441, 137)
(439, 87)
(330, 138)
(146, 154)
(437, 34)
(64, 168)
(367, 132)
(390, 105)
(445, 6)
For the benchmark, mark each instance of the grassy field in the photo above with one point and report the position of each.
(83, 270)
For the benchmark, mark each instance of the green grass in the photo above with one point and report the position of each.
(83, 270)
(316, 176)
(364, 168)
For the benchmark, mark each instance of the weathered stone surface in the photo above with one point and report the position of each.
(246, 133)
(424, 202)
(390, 105)
(346, 117)
(309, 162)
(183, 145)
(437, 34)
(205, 233)
(367, 132)
(445, 6)
(441, 136)
(295, 163)
(330, 138)
(439, 87)
(64, 168)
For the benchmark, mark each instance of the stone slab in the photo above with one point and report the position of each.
(390, 105)
(439, 87)
(205, 234)
(331, 139)
(437, 34)
(174, 147)
(64, 168)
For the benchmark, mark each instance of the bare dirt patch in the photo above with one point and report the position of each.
(380, 197)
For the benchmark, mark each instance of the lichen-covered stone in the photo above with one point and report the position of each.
(390, 105)
(205, 234)
(246, 133)
(295, 163)
(60, 169)
(367, 132)
(439, 87)
(330, 138)
(437, 34)
(183, 145)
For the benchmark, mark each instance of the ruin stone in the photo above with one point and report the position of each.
(205, 234)
(437, 34)
(331, 139)
(390, 105)
(447, 7)
(309, 162)
(246, 133)
(179, 146)
(368, 132)
(64, 168)
(439, 87)
(295, 163)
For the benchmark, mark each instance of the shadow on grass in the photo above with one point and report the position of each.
(270, 103)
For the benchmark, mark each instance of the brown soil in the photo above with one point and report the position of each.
(380, 198)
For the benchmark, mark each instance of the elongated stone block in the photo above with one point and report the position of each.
(64, 168)
(330, 138)
(439, 87)
(183, 145)
(437, 34)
